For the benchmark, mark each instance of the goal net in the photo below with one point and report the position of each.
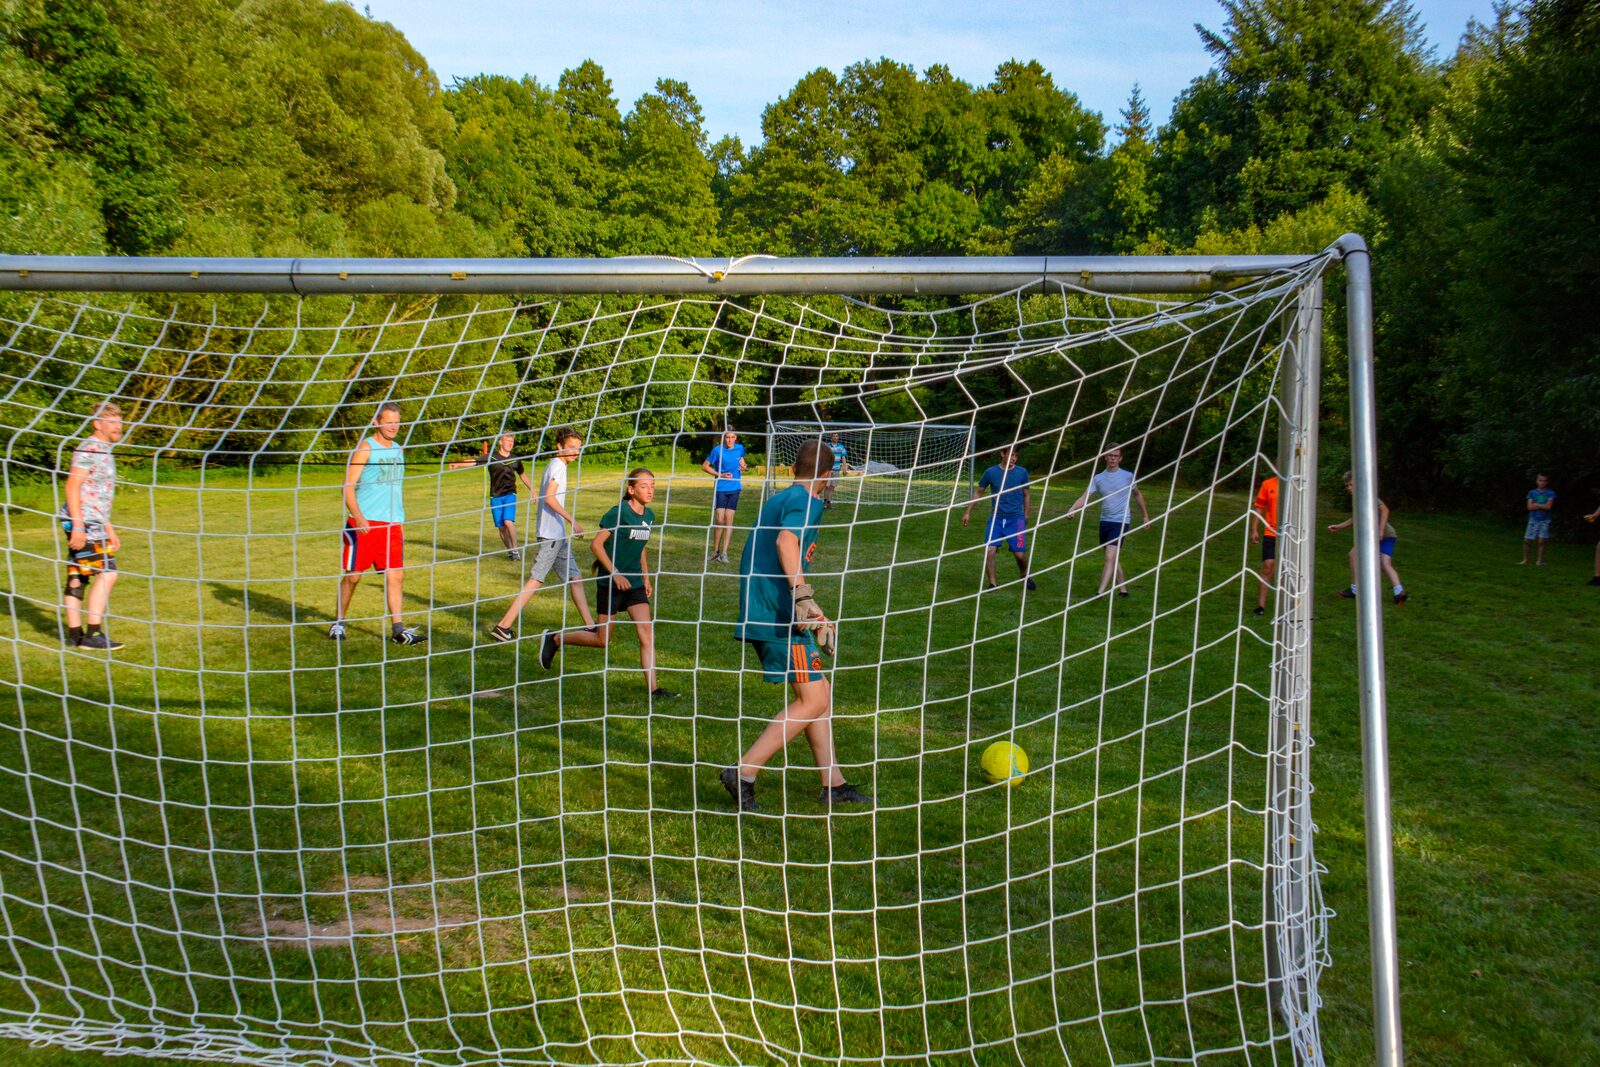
(236, 839)
(919, 463)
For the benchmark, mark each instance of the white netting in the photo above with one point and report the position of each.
(919, 463)
(237, 839)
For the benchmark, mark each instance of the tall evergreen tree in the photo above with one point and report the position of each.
(1525, 154)
(1304, 96)
(1130, 193)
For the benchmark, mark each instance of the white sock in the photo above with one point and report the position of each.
(1399, 589)
(748, 778)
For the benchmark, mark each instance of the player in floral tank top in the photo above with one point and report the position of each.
(92, 541)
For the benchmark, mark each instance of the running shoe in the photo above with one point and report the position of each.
(742, 792)
(101, 642)
(843, 794)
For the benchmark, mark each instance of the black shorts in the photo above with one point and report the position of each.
(1269, 549)
(1111, 533)
(609, 600)
(94, 557)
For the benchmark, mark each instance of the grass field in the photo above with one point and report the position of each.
(362, 834)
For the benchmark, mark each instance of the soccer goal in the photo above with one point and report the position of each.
(905, 464)
(236, 838)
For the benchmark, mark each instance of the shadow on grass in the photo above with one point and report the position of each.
(23, 610)
(249, 601)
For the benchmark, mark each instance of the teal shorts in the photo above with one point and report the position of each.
(797, 660)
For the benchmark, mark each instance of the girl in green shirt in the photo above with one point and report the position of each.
(621, 553)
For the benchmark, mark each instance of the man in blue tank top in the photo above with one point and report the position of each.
(374, 533)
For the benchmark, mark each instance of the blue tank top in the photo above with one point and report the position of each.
(378, 489)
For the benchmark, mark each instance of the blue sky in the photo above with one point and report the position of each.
(738, 57)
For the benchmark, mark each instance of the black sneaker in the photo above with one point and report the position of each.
(843, 794)
(742, 792)
(336, 632)
(659, 693)
(501, 633)
(1400, 597)
(72, 640)
(1595, 580)
(411, 635)
(1347, 593)
(1259, 612)
(547, 650)
(1123, 594)
(101, 642)
(1032, 585)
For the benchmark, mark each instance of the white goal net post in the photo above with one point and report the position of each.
(926, 464)
(236, 839)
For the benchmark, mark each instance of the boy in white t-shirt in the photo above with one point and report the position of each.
(1117, 489)
(552, 550)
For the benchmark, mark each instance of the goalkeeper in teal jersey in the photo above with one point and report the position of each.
(780, 620)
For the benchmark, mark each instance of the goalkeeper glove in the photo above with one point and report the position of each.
(808, 615)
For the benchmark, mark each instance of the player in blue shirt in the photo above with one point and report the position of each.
(1541, 500)
(841, 467)
(725, 464)
(1008, 522)
(1117, 489)
(780, 620)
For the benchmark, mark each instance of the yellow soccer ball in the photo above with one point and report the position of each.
(1004, 762)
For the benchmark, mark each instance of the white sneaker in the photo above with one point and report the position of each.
(336, 631)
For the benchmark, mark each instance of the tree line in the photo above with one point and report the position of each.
(303, 127)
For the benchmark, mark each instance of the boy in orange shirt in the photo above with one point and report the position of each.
(1264, 531)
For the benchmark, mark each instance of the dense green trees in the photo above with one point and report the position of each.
(1488, 253)
(300, 127)
(1304, 96)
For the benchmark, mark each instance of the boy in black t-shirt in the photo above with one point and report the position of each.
(503, 474)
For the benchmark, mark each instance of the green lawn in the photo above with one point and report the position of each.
(351, 836)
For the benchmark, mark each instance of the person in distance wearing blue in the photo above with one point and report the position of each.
(1008, 522)
(725, 464)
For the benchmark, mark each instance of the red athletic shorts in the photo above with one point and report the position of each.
(381, 547)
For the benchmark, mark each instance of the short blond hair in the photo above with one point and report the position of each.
(107, 409)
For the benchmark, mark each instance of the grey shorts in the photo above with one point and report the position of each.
(554, 554)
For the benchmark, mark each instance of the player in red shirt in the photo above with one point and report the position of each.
(1264, 531)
